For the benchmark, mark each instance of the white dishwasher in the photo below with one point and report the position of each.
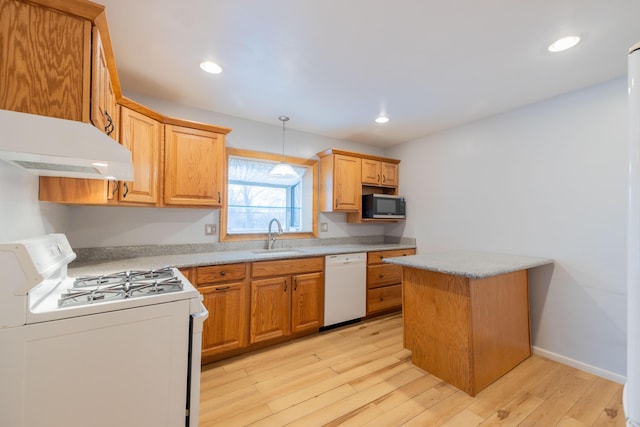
(345, 287)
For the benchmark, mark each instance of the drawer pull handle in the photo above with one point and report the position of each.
(382, 276)
(223, 288)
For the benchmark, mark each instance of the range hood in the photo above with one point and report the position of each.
(48, 146)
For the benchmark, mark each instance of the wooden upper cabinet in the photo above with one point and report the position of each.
(104, 110)
(143, 136)
(389, 172)
(193, 167)
(46, 61)
(340, 188)
(379, 173)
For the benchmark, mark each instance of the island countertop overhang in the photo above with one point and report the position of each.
(471, 264)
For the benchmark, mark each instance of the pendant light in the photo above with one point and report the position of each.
(282, 169)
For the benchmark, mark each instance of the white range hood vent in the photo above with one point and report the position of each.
(48, 146)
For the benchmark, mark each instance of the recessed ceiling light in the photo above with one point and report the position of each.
(382, 119)
(211, 67)
(564, 43)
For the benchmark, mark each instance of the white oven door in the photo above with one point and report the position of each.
(121, 368)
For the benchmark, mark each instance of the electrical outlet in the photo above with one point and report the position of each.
(324, 227)
(209, 229)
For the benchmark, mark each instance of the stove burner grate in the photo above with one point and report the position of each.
(118, 286)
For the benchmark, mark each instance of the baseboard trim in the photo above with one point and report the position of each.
(620, 379)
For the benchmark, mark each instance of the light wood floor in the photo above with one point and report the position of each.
(361, 375)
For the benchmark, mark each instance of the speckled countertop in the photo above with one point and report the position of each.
(221, 257)
(475, 265)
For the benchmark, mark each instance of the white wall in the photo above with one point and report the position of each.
(546, 180)
(21, 215)
(108, 226)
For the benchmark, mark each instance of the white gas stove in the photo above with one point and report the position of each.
(142, 328)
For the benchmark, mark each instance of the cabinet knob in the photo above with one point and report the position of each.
(222, 273)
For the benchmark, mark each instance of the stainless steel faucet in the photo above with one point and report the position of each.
(271, 237)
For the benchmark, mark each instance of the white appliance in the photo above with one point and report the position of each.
(631, 398)
(120, 349)
(345, 288)
(48, 146)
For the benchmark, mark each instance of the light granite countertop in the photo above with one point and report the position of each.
(471, 264)
(221, 257)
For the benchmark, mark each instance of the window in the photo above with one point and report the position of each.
(253, 197)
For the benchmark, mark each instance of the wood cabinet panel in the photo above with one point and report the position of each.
(73, 190)
(384, 298)
(286, 266)
(104, 110)
(193, 167)
(307, 302)
(378, 256)
(226, 327)
(371, 173)
(143, 136)
(384, 281)
(468, 332)
(270, 308)
(389, 174)
(383, 275)
(340, 189)
(221, 273)
(46, 62)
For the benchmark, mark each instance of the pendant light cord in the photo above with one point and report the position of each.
(283, 119)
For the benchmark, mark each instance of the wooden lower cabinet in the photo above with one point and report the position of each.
(270, 308)
(224, 290)
(384, 282)
(289, 300)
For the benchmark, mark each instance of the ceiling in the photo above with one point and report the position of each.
(334, 65)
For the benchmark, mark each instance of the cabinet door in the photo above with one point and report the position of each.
(371, 173)
(389, 172)
(226, 327)
(307, 302)
(104, 114)
(346, 182)
(193, 167)
(143, 136)
(270, 308)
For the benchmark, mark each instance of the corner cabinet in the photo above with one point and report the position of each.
(193, 167)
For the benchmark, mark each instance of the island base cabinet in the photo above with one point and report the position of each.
(469, 332)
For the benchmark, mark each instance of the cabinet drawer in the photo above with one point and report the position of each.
(377, 257)
(286, 266)
(220, 273)
(383, 275)
(385, 298)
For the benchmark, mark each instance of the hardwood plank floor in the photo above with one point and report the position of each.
(360, 375)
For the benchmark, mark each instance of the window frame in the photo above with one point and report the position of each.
(312, 167)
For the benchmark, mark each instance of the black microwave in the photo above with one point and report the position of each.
(383, 206)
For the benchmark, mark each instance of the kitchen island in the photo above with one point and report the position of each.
(466, 314)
